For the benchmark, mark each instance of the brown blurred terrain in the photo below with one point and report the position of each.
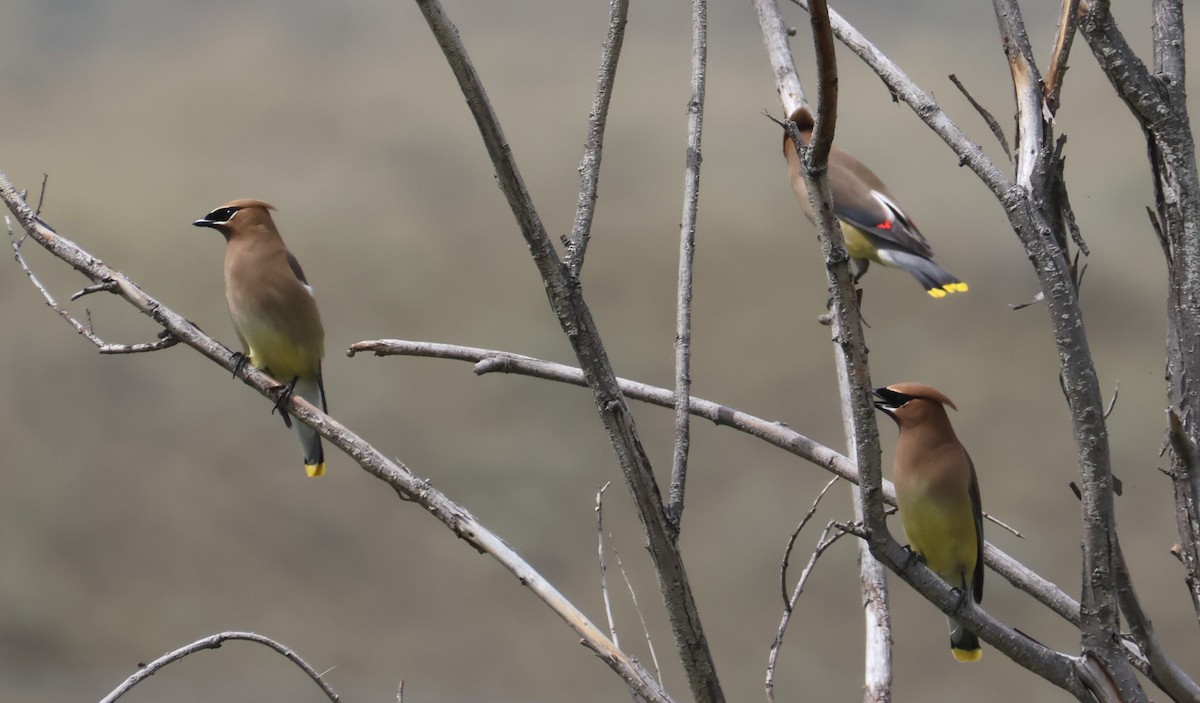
(150, 500)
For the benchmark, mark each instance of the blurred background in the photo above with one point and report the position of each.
(151, 500)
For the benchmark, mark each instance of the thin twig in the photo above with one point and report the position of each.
(1113, 403)
(41, 195)
(787, 552)
(687, 252)
(641, 618)
(992, 123)
(589, 166)
(101, 287)
(824, 542)
(214, 642)
(608, 612)
(83, 330)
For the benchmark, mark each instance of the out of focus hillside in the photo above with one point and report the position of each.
(150, 500)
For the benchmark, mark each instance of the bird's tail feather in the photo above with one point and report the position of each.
(964, 645)
(938, 282)
(310, 441)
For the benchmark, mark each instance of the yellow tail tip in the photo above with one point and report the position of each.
(967, 655)
(956, 287)
(315, 470)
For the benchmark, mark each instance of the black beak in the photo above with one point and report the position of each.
(217, 218)
(889, 400)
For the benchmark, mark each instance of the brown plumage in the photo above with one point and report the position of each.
(938, 496)
(874, 226)
(273, 309)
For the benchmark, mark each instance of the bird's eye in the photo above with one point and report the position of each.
(224, 214)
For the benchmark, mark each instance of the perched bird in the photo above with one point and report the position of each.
(938, 496)
(273, 309)
(874, 226)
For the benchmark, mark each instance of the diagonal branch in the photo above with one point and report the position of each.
(589, 166)
(1163, 671)
(566, 299)
(392, 472)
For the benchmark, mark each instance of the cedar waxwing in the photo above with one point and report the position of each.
(273, 309)
(938, 496)
(874, 226)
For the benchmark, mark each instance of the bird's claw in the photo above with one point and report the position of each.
(960, 597)
(285, 394)
(239, 363)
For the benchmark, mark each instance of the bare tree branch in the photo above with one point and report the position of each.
(1158, 101)
(1164, 672)
(394, 473)
(824, 542)
(791, 543)
(774, 433)
(791, 94)
(687, 250)
(1028, 223)
(145, 671)
(566, 299)
(589, 166)
(1185, 477)
(1062, 49)
(1039, 179)
(850, 358)
(988, 119)
(638, 609)
(84, 331)
(608, 613)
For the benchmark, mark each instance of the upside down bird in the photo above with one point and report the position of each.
(938, 496)
(874, 226)
(273, 309)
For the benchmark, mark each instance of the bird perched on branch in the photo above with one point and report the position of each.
(938, 496)
(874, 226)
(274, 312)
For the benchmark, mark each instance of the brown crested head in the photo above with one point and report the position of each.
(911, 402)
(804, 124)
(237, 215)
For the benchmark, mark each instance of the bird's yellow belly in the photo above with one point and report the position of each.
(279, 355)
(857, 244)
(945, 538)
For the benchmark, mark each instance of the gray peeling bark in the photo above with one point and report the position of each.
(1041, 232)
(1158, 101)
